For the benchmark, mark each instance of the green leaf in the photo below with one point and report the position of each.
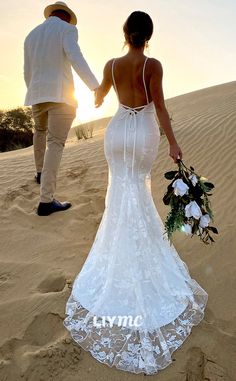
(170, 175)
(213, 229)
(195, 228)
(166, 198)
(196, 191)
(170, 187)
(209, 185)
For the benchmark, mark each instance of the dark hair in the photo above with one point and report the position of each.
(138, 29)
(61, 12)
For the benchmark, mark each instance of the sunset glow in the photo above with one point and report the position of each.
(195, 41)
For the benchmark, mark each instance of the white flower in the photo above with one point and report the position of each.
(180, 187)
(193, 179)
(204, 221)
(193, 210)
(187, 228)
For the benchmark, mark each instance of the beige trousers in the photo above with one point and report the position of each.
(52, 124)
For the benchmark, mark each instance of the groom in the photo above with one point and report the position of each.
(50, 50)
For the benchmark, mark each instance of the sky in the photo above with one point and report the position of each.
(194, 40)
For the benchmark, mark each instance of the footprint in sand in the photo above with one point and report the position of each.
(214, 372)
(44, 329)
(24, 191)
(4, 277)
(195, 364)
(201, 368)
(7, 351)
(42, 354)
(8, 367)
(52, 283)
(79, 171)
(51, 361)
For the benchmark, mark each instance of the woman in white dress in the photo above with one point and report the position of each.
(134, 302)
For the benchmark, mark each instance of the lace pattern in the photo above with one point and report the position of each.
(134, 350)
(131, 269)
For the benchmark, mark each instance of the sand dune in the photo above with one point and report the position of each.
(39, 257)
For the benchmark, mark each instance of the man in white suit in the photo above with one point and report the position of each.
(50, 50)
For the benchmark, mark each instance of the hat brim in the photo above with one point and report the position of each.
(53, 7)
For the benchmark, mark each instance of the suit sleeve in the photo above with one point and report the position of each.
(76, 58)
(26, 69)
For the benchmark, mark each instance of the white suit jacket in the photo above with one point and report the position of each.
(50, 50)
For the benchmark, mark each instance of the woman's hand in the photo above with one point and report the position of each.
(99, 97)
(175, 152)
(101, 91)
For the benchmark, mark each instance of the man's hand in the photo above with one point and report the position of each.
(99, 97)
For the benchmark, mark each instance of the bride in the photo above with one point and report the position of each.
(134, 301)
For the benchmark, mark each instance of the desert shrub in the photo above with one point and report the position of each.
(16, 128)
(84, 131)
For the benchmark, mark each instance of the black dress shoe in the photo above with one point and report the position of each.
(47, 208)
(38, 178)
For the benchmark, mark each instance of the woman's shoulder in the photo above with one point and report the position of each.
(154, 64)
(110, 61)
(108, 66)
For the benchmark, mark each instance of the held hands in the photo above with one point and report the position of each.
(175, 152)
(99, 97)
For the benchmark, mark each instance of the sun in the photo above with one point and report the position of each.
(86, 110)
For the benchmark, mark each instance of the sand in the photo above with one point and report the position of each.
(40, 256)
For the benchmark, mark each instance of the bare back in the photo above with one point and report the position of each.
(129, 76)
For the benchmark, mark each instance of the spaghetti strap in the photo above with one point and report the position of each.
(144, 83)
(113, 77)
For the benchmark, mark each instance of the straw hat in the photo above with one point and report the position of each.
(59, 5)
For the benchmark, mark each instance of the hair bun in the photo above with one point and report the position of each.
(138, 29)
(136, 39)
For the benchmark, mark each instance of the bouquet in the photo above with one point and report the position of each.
(188, 196)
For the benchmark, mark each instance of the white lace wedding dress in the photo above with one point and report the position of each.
(134, 301)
